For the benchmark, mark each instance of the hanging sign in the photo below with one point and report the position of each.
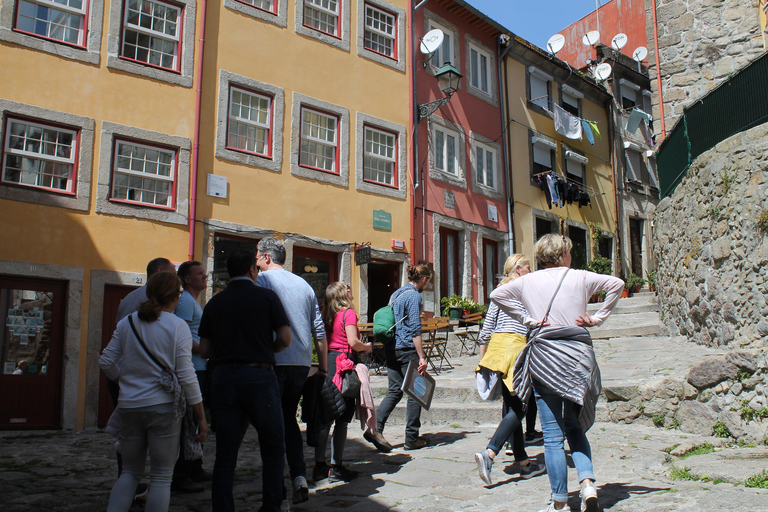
(362, 255)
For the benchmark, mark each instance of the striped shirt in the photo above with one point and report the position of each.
(498, 321)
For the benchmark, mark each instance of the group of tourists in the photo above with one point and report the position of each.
(250, 351)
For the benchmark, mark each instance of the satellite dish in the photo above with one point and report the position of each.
(556, 43)
(591, 38)
(640, 53)
(603, 71)
(431, 41)
(619, 41)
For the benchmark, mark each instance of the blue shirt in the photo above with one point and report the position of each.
(407, 315)
(189, 309)
(303, 313)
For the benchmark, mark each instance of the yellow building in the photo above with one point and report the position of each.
(538, 86)
(303, 108)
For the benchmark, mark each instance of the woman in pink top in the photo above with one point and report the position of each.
(569, 308)
(343, 338)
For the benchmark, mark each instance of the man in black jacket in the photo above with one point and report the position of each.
(236, 335)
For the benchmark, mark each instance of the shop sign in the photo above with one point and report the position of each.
(382, 220)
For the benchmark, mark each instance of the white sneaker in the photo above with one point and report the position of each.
(484, 464)
(300, 490)
(551, 508)
(588, 496)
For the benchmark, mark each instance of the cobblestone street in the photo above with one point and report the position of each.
(74, 471)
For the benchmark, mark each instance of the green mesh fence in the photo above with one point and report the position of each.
(738, 104)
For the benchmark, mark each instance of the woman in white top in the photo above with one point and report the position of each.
(569, 308)
(148, 422)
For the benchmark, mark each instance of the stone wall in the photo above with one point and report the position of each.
(701, 42)
(711, 253)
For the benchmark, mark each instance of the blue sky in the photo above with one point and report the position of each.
(536, 20)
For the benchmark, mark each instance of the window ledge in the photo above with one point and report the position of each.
(451, 179)
(341, 42)
(280, 18)
(398, 61)
(486, 97)
(487, 191)
(48, 46)
(148, 71)
(541, 110)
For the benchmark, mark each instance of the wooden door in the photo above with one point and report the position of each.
(449, 263)
(113, 294)
(490, 268)
(636, 246)
(31, 347)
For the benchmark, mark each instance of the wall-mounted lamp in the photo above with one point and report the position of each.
(449, 78)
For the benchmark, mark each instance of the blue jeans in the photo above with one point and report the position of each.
(140, 432)
(243, 394)
(558, 422)
(510, 429)
(397, 364)
(290, 380)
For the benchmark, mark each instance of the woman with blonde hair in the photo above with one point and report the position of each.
(343, 343)
(503, 338)
(559, 361)
(144, 348)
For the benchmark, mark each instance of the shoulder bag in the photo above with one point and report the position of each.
(350, 382)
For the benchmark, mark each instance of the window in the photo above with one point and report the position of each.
(264, 5)
(634, 165)
(445, 52)
(143, 174)
(449, 263)
(490, 249)
(380, 31)
(319, 140)
(322, 15)
(40, 156)
(485, 165)
(380, 161)
(540, 88)
(647, 107)
(575, 165)
(446, 151)
(479, 69)
(250, 121)
(543, 155)
(580, 244)
(569, 99)
(151, 33)
(545, 227)
(223, 246)
(629, 93)
(60, 20)
(653, 173)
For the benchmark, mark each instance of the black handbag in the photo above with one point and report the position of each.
(350, 382)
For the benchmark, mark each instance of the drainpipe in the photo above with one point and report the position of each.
(612, 143)
(196, 143)
(414, 131)
(505, 140)
(658, 69)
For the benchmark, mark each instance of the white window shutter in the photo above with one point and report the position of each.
(542, 155)
(539, 91)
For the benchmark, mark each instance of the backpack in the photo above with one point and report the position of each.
(384, 324)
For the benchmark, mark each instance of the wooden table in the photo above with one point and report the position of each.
(466, 333)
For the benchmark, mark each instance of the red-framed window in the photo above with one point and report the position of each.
(151, 33)
(380, 157)
(144, 174)
(319, 140)
(323, 15)
(490, 267)
(449, 263)
(40, 155)
(380, 31)
(63, 21)
(249, 127)
(264, 5)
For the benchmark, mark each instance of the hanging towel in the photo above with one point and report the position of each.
(566, 124)
(586, 128)
(593, 125)
(553, 189)
(635, 117)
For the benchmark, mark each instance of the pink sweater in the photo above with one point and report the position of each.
(535, 290)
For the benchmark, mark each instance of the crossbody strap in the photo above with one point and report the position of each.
(392, 303)
(144, 346)
(546, 315)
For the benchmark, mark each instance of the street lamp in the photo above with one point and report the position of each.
(449, 78)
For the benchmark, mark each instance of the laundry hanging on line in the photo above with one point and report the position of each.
(566, 123)
(635, 117)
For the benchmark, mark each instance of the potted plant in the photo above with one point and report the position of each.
(626, 291)
(600, 265)
(452, 306)
(634, 283)
(651, 275)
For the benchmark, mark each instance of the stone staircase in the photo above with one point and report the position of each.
(643, 373)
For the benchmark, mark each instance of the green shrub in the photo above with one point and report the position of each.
(720, 430)
(699, 450)
(658, 420)
(760, 480)
(600, 265)
(681, 474)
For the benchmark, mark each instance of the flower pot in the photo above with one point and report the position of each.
(625, 292)
(465, 313)
(594, 298)
(601, 298)
(454, 313)
(651, 288)
(637, 289)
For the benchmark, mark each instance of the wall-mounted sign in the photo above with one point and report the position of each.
(382, 220)
(398, 245)
(493, 213)
(362, 255)
(449, 198)
(217, 185)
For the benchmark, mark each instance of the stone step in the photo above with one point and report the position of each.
(629, 305)
(457, 414)
(628, 324)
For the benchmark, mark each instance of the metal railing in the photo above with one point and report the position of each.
(736, 105)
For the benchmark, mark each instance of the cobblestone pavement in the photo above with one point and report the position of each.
(74, 471)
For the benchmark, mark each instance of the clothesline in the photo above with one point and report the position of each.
(592, 192)
(551, 103)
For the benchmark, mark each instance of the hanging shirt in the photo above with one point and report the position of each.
(567, 124)
(586, 127)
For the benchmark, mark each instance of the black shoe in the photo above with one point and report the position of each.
(421, 442)
(378, 441)
(201, 476)
(187, 486)
(141, 491)
(320, 472)
(339, 473)
(533, 437)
